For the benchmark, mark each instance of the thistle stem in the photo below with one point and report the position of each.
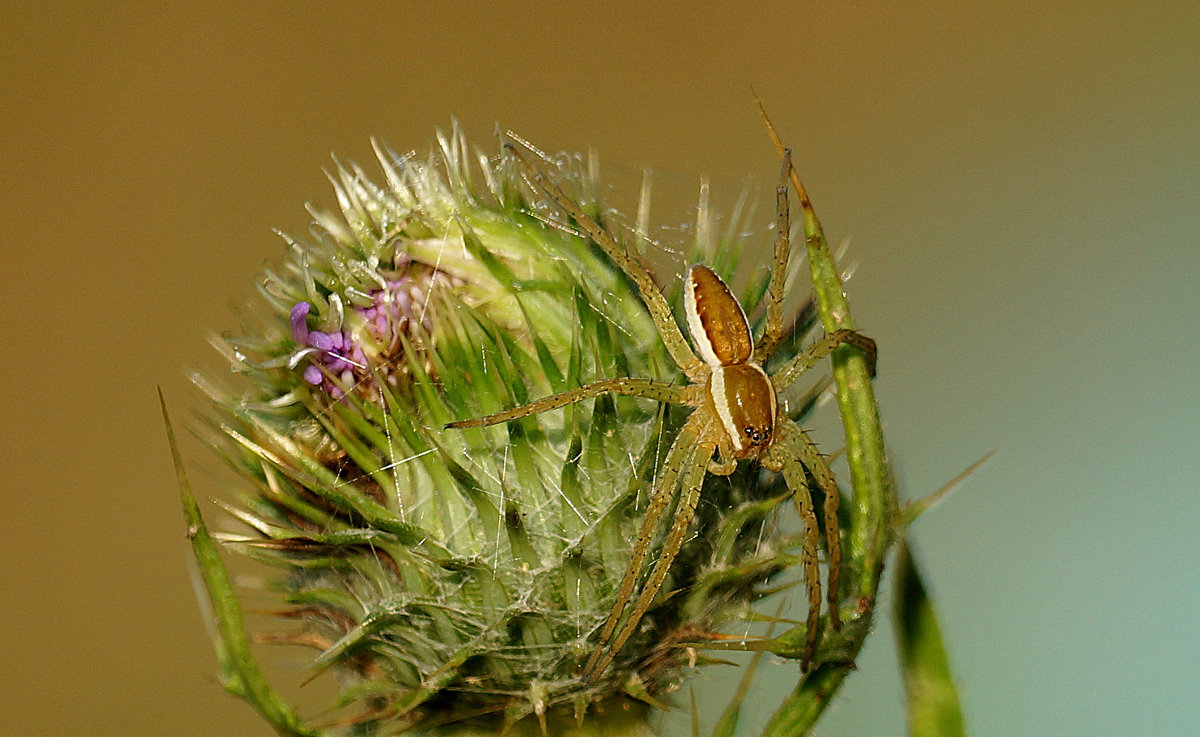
(873, 501)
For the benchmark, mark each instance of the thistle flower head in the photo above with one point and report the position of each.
(461, 576)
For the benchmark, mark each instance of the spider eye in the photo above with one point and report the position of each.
(756, 435)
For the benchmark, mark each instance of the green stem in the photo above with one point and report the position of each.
(872, 504)
(808, 701)
(865, 453)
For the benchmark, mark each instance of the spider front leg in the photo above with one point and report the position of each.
(652, 296)
(783, 246)
(647, 388)
(687, 462)
(820, 349)
(792, 454)
(724, 463)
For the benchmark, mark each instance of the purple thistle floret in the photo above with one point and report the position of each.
(335, 352)
(336, 361)
(392, 313)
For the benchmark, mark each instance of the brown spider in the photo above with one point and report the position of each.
(736, 415)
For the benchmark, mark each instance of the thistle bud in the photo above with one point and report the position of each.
(458, 578)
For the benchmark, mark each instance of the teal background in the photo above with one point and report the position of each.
(1021, 181)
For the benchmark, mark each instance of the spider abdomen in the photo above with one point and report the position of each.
(715, 319)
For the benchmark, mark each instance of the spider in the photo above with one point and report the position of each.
(735, 416)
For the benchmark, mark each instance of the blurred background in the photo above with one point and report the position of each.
(1021, 182)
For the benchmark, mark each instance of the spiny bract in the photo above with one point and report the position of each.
(461, 576)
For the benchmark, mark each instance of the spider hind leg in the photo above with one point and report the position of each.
(797, 457)
(686, 464)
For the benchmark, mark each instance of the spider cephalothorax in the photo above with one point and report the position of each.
(736, 416)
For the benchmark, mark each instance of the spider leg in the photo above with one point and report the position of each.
(820, 349)
(660, 311)
(664, 489)
(805, 450)
(723, 463)
(793, 472)
(693, 472)
(648, 388)
(783, 244)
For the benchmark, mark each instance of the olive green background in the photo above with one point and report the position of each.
(1020, 181)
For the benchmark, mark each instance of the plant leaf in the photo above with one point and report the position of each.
(239, 671)
(933, 705)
